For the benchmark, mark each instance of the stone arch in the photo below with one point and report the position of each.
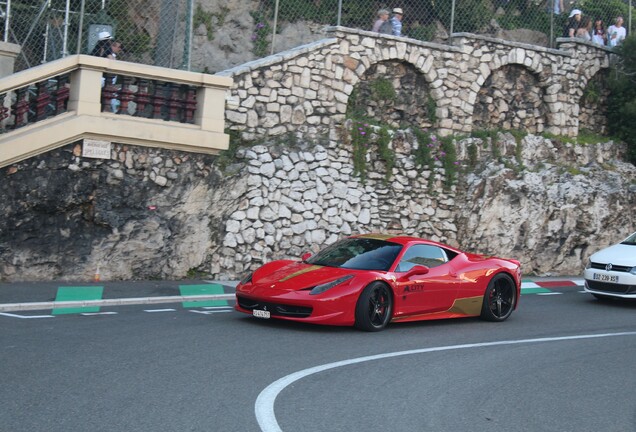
(395, 93)
(511, 97)
(593, 103)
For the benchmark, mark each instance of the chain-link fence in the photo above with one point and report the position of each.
(211, 35)
(152, 32)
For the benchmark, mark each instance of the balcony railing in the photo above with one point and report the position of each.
(90, 97)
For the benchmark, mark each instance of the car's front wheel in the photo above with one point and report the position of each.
(374, 307)
(499, 299)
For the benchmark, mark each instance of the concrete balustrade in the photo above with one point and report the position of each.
(34, 124)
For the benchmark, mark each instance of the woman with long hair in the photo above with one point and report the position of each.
(599, 35)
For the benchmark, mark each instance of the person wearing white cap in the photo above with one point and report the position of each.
(102, 46)
(573, 24)
(396, 21)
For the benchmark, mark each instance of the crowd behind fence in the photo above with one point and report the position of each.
(160, 32)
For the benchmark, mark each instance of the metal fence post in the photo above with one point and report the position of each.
(452, 22)
(187, 49)
(7, 21)
(551, 7)
(80, 30)
(274, 28)
(67, 13)
(631, 9)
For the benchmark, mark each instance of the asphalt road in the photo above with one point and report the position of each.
(562, 362)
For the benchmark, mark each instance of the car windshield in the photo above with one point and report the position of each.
(631, 240)
(358, 254)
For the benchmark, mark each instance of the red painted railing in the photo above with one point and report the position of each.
(34, 102)
(140, 97)
(121, 94)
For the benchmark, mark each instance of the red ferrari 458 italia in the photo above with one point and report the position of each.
(370, 280)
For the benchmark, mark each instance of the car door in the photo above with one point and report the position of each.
(428, 293)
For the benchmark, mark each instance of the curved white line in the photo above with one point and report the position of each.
(264, 407)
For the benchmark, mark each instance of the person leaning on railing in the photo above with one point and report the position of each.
(107, 47)
(573, 24)
(396, 21)
(616, 33)
(382, 24)
(585, 28)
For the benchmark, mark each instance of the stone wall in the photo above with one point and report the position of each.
(548, 204)
(306, 90)
(152, 213)
(142, 214)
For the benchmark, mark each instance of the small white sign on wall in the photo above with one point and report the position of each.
(96, 149)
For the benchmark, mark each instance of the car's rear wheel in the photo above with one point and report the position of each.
(374, 307)
(499, 299)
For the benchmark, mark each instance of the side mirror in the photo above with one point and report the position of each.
(305, 256)
(418, 270)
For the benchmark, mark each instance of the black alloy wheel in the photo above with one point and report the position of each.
(499, 299)
(374, 307)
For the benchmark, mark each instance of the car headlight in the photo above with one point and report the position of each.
(246, 279)
(324, 287)
(588, 264)
(633, 271)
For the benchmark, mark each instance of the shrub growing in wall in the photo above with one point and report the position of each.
(621, 112)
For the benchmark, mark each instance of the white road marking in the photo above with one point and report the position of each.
(160, 310)
(98, 313)
(210, 312)
(218, 307)
(550, 293)
(264, 406)
(26, 316)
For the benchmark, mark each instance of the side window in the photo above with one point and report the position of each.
(426, 255)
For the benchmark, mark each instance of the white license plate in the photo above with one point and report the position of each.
(605, 278)
(260, 313)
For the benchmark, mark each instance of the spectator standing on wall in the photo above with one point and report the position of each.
(382, 24)
(113, 50)
(103, 44)
(106, 46)
(599, 36)
(573, 24)
(558, 7)
(585, 28)
(616, 33)
(396, 21)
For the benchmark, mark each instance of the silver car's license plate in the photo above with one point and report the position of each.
(605, 278)
(261, 313)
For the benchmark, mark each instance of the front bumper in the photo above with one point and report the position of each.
(624, 288)
(299, 306)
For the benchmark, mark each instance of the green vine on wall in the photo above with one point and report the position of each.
(432, 150)
(385, 152)
(361, 136)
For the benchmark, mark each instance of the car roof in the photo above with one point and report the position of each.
(402, 239)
